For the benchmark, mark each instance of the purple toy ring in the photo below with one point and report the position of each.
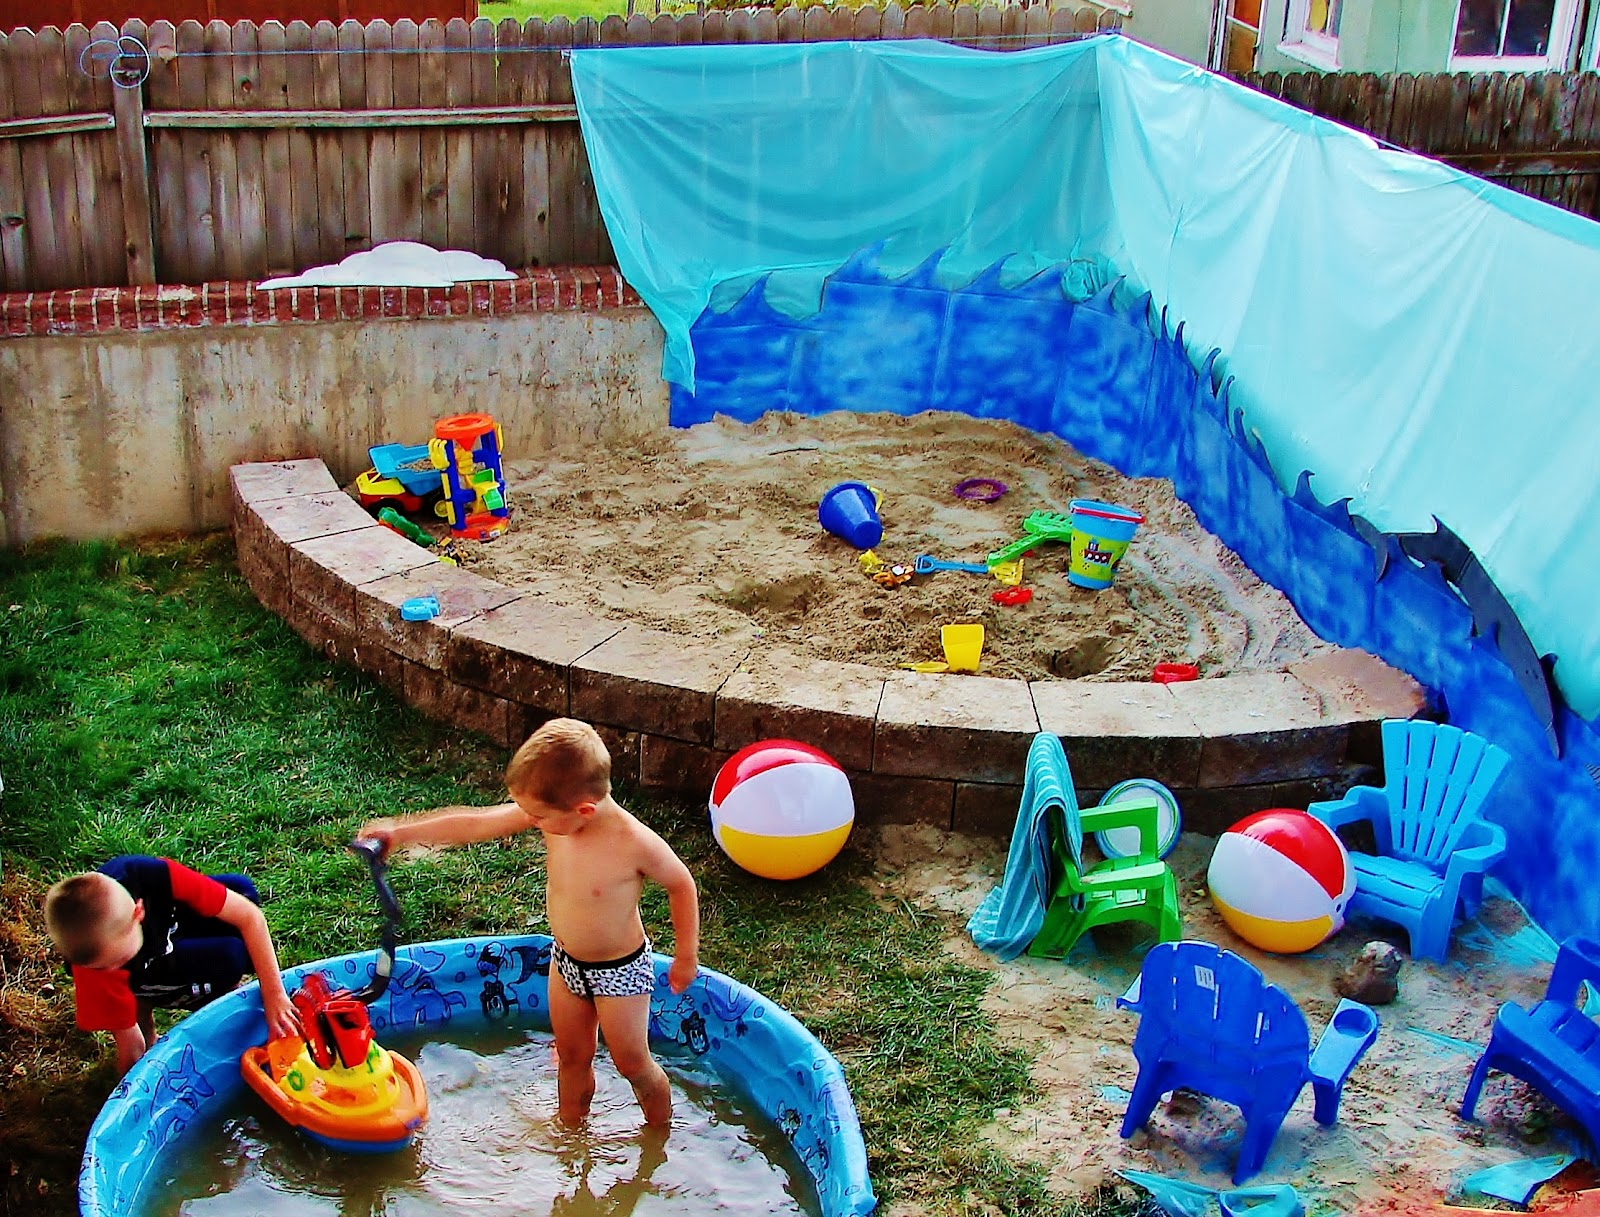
(979, 490)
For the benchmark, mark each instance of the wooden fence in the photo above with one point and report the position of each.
(1537, 134)
(243, 151)
(36, 14)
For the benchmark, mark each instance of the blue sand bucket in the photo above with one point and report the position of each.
(1100, 536)
(850, 511)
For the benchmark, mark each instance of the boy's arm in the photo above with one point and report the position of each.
(252, 925)
(130, 1047)
(667, 869)
(449, 826)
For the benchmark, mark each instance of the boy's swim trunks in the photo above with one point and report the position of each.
(626, 977)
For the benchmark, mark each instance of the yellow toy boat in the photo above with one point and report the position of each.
(372, 1107)
(334, 1081)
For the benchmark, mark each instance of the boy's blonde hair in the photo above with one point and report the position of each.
(562, 764)
(78, 912)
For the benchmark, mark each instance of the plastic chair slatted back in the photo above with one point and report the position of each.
(1224, 1025)
(1209, 1021)
(1439, 777)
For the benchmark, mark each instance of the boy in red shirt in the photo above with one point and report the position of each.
(145, 932)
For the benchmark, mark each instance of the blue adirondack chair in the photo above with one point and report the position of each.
(1210, 1022)
(1555, 1047)
(1434, 846)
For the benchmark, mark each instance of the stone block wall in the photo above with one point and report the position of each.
(937, 748)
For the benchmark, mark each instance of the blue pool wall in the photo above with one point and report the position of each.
(1110, 374)
(464, 983)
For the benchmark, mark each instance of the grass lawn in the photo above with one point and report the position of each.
(524, 10)
(149, 704)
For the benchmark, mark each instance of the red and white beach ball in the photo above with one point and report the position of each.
(781, 809)
(1281, 879)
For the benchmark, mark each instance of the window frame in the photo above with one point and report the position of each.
(1310, 47)
(1563, 28)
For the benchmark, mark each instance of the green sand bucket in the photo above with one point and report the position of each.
(1100, 536)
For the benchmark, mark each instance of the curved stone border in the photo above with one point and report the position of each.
(943, 749)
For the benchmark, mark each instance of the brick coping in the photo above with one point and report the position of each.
(104, 310)
(943, 749)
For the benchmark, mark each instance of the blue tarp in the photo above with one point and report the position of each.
(1416, 338)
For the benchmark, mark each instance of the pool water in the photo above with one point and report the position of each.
(491, 1145)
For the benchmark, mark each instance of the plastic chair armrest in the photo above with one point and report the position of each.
(1350, 1032)
(1577, 963)
(1143, 814)
(1359, 803)
(1477, 858)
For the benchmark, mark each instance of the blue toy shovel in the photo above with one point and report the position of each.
(1178, 1198)
(926, 564)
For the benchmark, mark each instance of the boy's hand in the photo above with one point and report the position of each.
(281, 1018)
(380, 833)
(682, 973)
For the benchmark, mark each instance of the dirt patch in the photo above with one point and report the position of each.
(51, 1080)
(1398, 1145)
(711, 531)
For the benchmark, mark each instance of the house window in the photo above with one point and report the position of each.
(1517, 35)
(1311, 31)
(1241, 31)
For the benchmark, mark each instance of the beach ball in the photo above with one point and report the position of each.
(781, 809)
(1281, 880)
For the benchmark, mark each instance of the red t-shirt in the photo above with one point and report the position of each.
(104, 997)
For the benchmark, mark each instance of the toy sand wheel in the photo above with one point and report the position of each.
(463, 429)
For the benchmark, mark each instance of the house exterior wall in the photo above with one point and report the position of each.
(1377, 36)
(1178, 27)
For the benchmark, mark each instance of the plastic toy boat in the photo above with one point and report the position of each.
(335, 1082)
(338, 1085)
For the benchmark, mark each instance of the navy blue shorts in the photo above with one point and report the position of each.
(208, 958)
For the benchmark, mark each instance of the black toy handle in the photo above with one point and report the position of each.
(372, 853)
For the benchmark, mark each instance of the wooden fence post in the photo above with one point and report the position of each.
(139, 242)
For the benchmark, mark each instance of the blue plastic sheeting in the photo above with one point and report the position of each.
(193, 1070)
(1419, 339)
(1119, 386)
(1516, 1181)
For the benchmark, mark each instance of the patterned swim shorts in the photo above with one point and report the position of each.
(629, 976)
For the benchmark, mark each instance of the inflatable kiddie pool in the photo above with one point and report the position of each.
(193, 1070)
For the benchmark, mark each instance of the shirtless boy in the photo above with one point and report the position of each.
(597, 858)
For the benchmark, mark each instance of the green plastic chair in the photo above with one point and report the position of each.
(1139, 889)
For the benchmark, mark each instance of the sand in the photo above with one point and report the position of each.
(711, 531)
(1398, 1145)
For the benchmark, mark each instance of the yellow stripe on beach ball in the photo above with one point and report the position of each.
(781, 857)
(1280, 937)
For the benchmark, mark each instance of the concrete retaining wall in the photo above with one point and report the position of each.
(121, 410)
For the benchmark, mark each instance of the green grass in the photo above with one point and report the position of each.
(525, 10)
(148, 703)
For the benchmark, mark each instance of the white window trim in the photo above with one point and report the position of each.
(1318, 50)
(1563, 25)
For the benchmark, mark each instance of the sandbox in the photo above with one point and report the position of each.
(711, 532)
